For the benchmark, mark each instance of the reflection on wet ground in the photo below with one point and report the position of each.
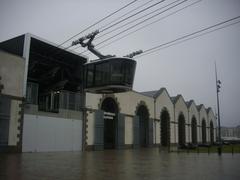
(119, 164)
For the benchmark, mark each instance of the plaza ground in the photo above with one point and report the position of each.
(230, 148)
(147, 163)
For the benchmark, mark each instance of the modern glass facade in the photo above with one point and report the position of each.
(110, 75)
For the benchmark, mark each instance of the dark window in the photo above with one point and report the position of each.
(102, 74)
(117, 74)
(49, 102)
(70, 100)
(129, 73)
(90, 75)
(32, 93)
(110, 75)
(56, 101)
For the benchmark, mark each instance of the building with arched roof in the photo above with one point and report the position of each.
(164, 117)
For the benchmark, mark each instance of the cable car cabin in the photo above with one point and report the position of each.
(111, 75)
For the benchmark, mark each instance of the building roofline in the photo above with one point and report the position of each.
(47, 42)
(175, 99)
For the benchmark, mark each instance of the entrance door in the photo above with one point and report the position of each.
(99, 128)
(5, 105)
(136, 140)
(144, 124)
(211, 133)
(110, 108)
(181, 130)
(204, 139)
(109, 130)
(165, 128)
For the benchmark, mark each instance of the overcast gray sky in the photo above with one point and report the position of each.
(186, 68)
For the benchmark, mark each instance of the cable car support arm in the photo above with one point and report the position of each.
(89, 44)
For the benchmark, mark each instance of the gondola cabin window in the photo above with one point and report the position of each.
(110, 75)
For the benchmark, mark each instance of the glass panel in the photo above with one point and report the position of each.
(49, 102)
(32, 93)
(64, 100)
(72, 102)
(78, 101)
(117, 74)
(56, 101)
(114, 71)
(90, 75)
(102, 74)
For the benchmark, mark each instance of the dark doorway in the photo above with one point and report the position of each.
(194, 130)
(5, 107)
(165, 128)
(181, 130)
(143, 115)
(110, 109)
(211, 133)
(204, 131)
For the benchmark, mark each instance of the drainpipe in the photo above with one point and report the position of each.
(84, 116)
(188, 127)
(175, 129)
(155, 138)
(84, 113)
(199, 127)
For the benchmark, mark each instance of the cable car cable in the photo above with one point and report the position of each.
(125, 18)
(118, 19)
(125, 14)
(106, 28)
(185, 37)
(148, 24)
(132, 15)
(137, 24)
(111, 14)
(134, 20)
(140, 23)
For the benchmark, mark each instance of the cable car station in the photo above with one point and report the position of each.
(53, 99)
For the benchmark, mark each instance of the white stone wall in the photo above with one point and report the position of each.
(93, 100)
(128, 130)
(90, 128)
(12, 74)
(158, 133)
(13, 138)
(46, 134)
(129, 102)
(92, 103)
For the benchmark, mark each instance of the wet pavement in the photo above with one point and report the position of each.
(146, 163)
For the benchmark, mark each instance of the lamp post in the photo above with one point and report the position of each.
(218, 86)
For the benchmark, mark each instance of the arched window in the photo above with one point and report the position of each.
(204, 136)
(143, 114)
(165, 127)
(181, 130)
(194, 130)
